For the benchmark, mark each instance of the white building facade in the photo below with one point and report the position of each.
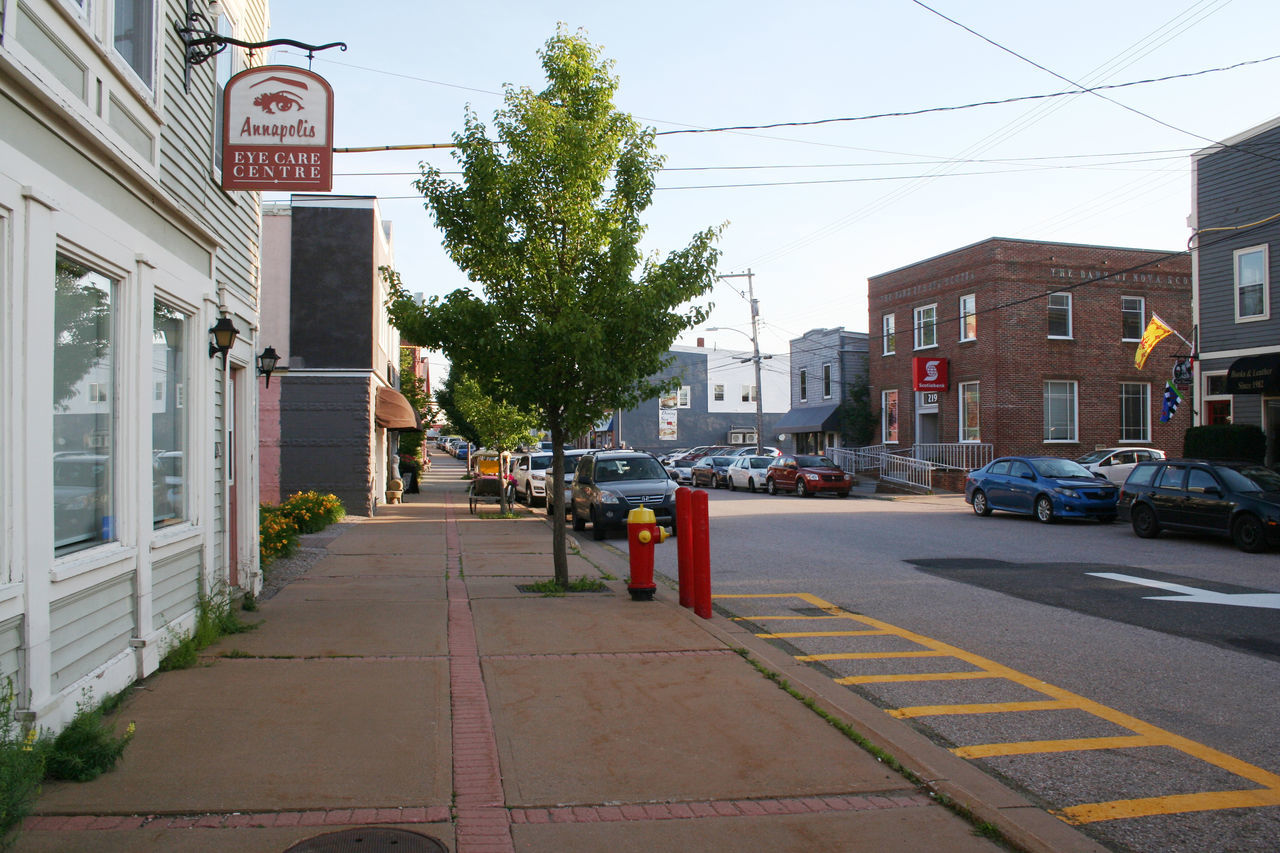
(118, 253)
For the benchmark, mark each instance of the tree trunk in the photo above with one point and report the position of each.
(559, 553)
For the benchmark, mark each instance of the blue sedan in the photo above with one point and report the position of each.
(1044, 486)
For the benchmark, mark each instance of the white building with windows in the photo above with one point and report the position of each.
(128, 475)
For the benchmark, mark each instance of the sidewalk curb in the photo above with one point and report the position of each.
(1022, 823)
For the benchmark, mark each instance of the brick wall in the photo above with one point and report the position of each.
(1012, 356)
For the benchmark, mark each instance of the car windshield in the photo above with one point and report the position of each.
(629, 468)
(1095, 456)
(1251, 478)
(815, 462)
(1060, 468)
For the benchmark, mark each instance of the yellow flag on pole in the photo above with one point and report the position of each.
(1157, 331)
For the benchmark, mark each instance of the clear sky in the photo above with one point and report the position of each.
(813, 211)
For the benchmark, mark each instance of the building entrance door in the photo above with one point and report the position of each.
(926, 417)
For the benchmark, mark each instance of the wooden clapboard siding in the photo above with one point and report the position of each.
(175, 587)
(90, 628)
(10, 652)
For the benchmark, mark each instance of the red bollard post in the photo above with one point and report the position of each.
(701, 556)
(684, 545)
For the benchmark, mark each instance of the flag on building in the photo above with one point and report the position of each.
(1171, 400)
(1157, 331)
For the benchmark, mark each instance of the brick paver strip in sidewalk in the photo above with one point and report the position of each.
(482, 820)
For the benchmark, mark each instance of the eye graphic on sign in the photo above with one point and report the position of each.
(282, 101)
(930, 371)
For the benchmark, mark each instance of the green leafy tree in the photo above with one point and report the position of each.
(858, 421)
(547, 221)
(501, 426)
(458, 424)
(414, 390)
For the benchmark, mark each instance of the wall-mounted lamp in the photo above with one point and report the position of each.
(224, 334)
(267, 362)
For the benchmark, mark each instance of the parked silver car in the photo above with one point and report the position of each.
(749, 472)
(1115, 463)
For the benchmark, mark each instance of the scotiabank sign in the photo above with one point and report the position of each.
(277, 131)
(929, 374)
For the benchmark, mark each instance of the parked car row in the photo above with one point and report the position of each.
(1239, 500)
(806, 475)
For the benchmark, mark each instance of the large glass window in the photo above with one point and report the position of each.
(969, 412)
(1060, 315)
(1133, 317)
(887, 337)
(1059, 411)
(1217, 402)
(889, 416)
(926, 326)
(1252, 285)
(1135, 411)
(968, 317)
(83, 407)
(134, 36)
(169, 416)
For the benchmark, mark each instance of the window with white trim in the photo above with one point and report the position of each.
(84, 406)
(1059, 411)
(227, 64)
(969, 412)
(1253, 285)
(889, 416)
(968, 317)
(1060, 315)
(133, 36)
(170, 448)
(1217, 402)
(925, 324)
(887, 335)
(717, 392)
(683, 397)
(1133, 318)
(748, 393)
(1135, 411)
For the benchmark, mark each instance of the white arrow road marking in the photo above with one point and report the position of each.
(1269, 600)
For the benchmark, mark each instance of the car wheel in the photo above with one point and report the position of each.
(598, 532)
(578, 524)
(751, 485)
(1144, 521)
(980, 505)
(802, 491)
(1044, 509)
(732, 487)
(1246, 532)
(770, 486)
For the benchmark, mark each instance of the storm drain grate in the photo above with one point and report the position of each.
(372, 840)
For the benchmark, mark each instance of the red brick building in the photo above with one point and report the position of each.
(1029, 347)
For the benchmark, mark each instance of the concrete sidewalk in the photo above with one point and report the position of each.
(407, 681)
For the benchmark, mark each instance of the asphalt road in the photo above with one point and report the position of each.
(1122, 670)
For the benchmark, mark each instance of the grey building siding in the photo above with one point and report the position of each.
(175, 587)
(331, 321)
(1237, 186)
(91, 627)
(325, 439)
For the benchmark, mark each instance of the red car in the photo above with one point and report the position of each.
(807, 476)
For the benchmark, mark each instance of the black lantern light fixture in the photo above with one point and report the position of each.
(224, 335)
(267, 362)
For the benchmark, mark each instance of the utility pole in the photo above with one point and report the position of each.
(755, 354)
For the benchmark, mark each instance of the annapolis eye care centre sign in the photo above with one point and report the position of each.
(277, 131)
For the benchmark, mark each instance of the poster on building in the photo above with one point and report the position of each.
(666, 423)
(277, 131)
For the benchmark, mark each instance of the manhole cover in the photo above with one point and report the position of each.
(371, 840)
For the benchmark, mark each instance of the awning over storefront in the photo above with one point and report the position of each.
(392, 411)
(1255, 374)
(809, 419)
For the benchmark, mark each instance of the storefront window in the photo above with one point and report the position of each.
(889, 416)
(83, 408)
(168, 416)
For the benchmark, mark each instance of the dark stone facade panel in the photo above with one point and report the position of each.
(325, 439)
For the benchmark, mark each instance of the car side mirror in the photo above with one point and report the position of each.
(673, 475)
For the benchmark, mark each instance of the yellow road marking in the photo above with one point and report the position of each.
(1176, 804)
(886, 678)
(980, 708)
(1035, 747)
(868, 656)
(780, 618)
(1144, 734)
(792, 634)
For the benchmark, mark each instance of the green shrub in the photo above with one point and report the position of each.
(215, 619)
(86, 748)
(277, 533)
(21, 766)
(312, 511)
(1226, 441)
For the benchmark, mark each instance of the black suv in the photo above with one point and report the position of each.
(1236, 499)
(608, 484)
